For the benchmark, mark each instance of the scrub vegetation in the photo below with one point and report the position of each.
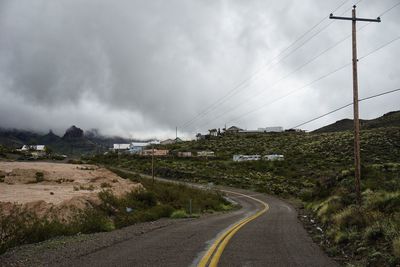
(153, 201)
(318, 170)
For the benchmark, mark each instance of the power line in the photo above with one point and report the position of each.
(236, 88)
(389, 9)
(380, 47)
(291, 92)
(283, 78)
(373, 51)
(269, 66)
(345, 106)
(324, 76)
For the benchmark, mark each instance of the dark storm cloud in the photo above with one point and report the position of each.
(143, 67)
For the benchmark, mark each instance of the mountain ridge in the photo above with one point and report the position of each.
(390, 119)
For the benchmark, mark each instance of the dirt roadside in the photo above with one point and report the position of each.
(58, 188)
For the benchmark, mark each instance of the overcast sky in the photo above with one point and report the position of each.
(140, 68)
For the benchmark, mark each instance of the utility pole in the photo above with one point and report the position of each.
(176, 133)
(357, 157)
(152, 162)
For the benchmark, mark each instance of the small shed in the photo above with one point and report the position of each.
(186, 154)
(205, 154)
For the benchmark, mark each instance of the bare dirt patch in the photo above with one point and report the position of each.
(55, 187)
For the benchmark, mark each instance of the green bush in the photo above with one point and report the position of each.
(179, 214)
(350, 217)
(92, 220)
(374, 233)
(328, 207)
(22, 227)
(386, 202)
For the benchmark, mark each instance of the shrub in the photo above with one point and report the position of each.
(350, 217)
(396, 247)
(92, 220)
(341, 237)
(89, 187)
(145, 198)
(39, 177)
(105, 185)
(179, 214)
(374, 232)
(386, 202)
(329, 207)
(22, 227)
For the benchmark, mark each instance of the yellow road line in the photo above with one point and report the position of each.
(215, 251)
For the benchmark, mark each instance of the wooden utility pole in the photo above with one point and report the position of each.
(357, 157)
(152, 162)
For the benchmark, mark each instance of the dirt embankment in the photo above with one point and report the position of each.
(54, 189)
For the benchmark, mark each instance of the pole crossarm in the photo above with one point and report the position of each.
(331, 16)
(354, 18)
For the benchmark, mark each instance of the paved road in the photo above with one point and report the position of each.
(275, 238)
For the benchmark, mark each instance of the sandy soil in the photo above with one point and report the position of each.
(63, 185)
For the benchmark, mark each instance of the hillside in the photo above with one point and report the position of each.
(318, 170)
(391, 119)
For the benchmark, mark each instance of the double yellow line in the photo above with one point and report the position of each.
(214, 253)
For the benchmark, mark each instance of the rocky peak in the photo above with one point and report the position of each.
(73, 132)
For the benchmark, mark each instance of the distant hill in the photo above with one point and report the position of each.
(17, 138)
(74, 141)
(391, 119)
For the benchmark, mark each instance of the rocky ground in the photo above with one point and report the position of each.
(54, 187)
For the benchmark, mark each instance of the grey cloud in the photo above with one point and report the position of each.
(142, 67)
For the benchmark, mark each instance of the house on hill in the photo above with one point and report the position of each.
(200, 136)
(119, 147)
(213, 132)
(155, 152)
(273, 157)
(138, 147)
(239, 158)
(41, 148)
(36, 151)
(206, 154)
(186, 154)
(178, 140)
(274, 129)
(167, 142)
(233, 130)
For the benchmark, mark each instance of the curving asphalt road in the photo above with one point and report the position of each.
(275, 238)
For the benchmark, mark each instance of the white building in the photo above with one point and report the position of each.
(275, 129)
(246, 157)
(41, 148)
(138, 147)
(274, 157)
(121, 146)
(205, 154)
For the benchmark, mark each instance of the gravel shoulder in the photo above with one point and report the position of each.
(58, 250)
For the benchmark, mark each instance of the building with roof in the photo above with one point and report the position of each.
(138, 147)
(41, 148)
(155, 152)
(206, 154)
(119, 147)
(233, 130)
